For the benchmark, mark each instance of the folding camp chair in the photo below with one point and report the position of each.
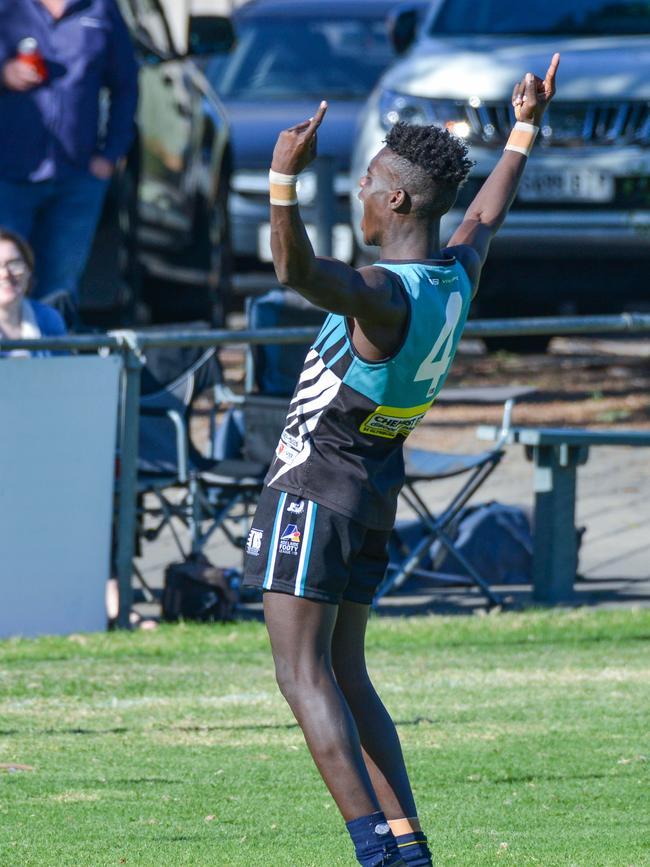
(422, 466)
(274, 369)
(186, 486)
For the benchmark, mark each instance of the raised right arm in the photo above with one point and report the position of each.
(470, 243)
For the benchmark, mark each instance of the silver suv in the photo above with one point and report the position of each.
(582, 216)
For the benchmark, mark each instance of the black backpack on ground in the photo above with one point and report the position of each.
(197, 590)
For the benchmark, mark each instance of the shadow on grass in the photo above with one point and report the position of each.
(199, 728)
(535, 778)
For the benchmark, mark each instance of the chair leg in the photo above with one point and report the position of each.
(148, 592)
(436, 528)
(402, 575)
(169, 512)
(494, 598)
(194, 516)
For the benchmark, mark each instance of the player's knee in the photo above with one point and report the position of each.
(297, 680)
(285, 680)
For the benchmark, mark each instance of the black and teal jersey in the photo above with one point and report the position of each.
(348, 418)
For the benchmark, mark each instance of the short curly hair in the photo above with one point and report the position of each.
(433, 161)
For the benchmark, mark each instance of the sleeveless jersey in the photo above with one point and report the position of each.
(348, 418)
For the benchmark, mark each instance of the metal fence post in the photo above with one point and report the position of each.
(126, 520)
(325, 204)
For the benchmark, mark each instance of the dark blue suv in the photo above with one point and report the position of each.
(289, 55)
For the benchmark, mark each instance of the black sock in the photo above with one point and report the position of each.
(374, 842)
(414, 849)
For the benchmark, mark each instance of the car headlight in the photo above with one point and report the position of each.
(394, 106)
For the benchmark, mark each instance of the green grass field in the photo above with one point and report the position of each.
(527, 736)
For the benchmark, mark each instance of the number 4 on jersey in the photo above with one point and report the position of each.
(434, 368)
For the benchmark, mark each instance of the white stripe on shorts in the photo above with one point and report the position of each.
(306, 546)
(273, 548)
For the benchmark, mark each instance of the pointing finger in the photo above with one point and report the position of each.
(299, 127)
(549, 80)
(317, 119)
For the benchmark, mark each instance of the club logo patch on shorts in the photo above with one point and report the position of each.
(390, 421)
(254, 542)
(289, 540)
(296, 508)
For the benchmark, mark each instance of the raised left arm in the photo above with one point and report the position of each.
(368, 293)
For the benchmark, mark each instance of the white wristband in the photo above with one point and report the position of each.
(282, 188)
(522, 138)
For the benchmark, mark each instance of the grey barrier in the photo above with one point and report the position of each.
(132, 346)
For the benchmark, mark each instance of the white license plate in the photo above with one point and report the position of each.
(342, 241)
(568, 185)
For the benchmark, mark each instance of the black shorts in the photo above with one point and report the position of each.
(300, 547)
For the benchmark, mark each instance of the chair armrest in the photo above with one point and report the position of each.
(225, 394)
(494, 433)
(182, 445)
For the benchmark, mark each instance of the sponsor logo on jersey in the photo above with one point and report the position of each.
(296, 508)
(392, 421)
(289, 440)
(285, 453)
(289, 540)
(254, 542)
(288, 448)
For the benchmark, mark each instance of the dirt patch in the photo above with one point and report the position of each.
(599, 383)
(579, 382)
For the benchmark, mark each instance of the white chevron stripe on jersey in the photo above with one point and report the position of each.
(301, 418)
(311, 396)
(315, 406)
(306, 426)
(313, 364)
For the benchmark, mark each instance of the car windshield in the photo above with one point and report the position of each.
(539, 17)
(280, 59)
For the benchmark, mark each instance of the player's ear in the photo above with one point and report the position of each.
(399, 201)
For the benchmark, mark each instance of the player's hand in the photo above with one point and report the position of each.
(101, 168)
(16, 75)
(531, 97)
(296, 146)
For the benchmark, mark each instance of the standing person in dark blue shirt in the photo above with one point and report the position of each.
(56, 154)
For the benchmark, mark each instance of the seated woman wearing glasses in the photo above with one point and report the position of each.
(21, 318)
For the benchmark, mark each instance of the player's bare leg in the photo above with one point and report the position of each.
(381, 747)
(301, 639)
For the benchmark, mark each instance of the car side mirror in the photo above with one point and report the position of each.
(402, 24)
(209, 34)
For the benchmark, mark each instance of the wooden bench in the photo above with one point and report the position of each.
(556, 454)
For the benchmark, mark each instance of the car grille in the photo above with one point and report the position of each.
(568, 124)
(629, 193)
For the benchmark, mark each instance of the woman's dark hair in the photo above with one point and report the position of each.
(23, 247)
